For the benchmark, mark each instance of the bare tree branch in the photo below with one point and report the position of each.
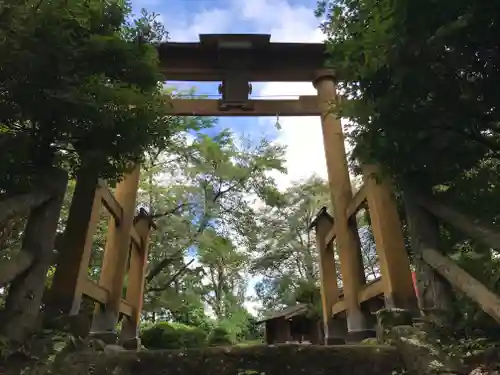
(179, 273)
(172, 211)
(155, 271)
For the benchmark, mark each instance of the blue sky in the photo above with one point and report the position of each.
(286, 21)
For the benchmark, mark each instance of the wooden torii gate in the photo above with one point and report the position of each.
(236, 60)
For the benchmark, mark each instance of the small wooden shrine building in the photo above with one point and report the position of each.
(295, 323)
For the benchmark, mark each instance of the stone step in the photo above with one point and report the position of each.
(286, 359)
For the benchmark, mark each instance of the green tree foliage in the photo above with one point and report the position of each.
(285, 249)
(80, 88)
(192, 313)
(199, 195)
(219, 337)
(254, 332)
(80, 84)
(223, 265)
(238, 323)
(204, 185)
(421, 78)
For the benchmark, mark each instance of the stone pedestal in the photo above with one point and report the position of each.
(355, 337)
(365, 329)
(336, 331)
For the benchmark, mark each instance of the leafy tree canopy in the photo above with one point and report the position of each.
(80, 86)
(422, 82)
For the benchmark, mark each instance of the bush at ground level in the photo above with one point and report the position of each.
(219, 337)
(165, 335)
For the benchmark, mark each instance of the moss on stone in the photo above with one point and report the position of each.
(370, 341)
(389, 318)
(422, 355)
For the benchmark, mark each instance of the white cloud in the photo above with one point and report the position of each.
(302, 135)
(285, 22)
(211, 21)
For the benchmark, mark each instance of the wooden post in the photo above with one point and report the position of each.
(115, 258)
(483, 232)
(267, 332)
(488, 301)
(284, 330)
(334, 328)
(76, 247)
(341, 194)
(389, 241)
(135, 288)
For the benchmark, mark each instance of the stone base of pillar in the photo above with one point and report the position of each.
(104, 320)
(336, 331)
(354, 337)
(133, 343)
(364, 329)
(335, 341)
(107, 337)
(360, 320)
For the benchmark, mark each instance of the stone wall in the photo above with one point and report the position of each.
(256, 360)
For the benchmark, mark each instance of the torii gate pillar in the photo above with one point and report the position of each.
(351, 264)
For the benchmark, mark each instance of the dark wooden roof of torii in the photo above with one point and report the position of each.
(207, 60)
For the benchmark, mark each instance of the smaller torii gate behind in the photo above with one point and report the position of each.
(237, 60)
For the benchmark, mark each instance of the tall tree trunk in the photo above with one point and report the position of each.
(22, 307)
(11, 268)
(435, 294)
(20, 204)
